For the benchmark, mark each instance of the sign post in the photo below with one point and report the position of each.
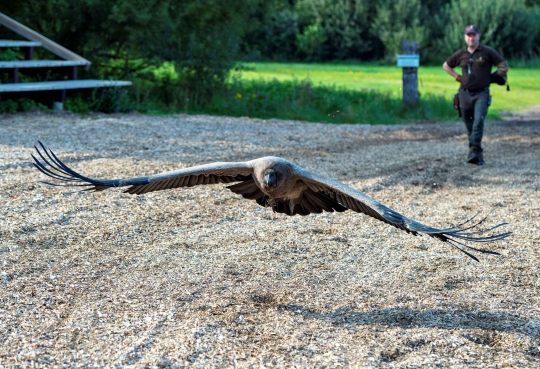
(410, 61)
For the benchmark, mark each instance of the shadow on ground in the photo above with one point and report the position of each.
(429, 318)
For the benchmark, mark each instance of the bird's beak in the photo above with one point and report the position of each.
(270, 179)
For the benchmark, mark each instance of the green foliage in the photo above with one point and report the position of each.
(279, 35)
(367, 30)
(106, 100)
(345, 24)
(399, 20)
(8, 106)
(180, 54)
(505, 25)
(77, 104)
(311, 41)
(9, 54)
(26, 104)
(20, 105)
(524, 63)
(357, 29)
(124, 38)
(109, 100)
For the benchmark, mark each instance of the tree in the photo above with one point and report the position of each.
(506, 25)
(123, 38)
(345, 24)
(399, 20)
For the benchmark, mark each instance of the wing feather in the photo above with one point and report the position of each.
(310, 207)
(226, 172)
(359, 202)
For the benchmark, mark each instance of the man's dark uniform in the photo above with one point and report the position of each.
(474, 96)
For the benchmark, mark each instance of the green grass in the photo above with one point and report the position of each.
(300, 100)
(524, 82)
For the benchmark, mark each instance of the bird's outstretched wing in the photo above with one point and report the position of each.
(53, 167)
(355, 200)
(320, 193)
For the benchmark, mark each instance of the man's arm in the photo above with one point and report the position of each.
(451, 72)
(498, 61)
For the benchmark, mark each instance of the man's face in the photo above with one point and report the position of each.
(472, 39)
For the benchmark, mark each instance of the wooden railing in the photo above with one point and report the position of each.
(48, 44)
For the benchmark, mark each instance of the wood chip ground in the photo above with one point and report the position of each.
(199, 277)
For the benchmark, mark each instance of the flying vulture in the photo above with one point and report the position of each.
(276, 183)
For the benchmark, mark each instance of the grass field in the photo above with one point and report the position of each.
(524, 83)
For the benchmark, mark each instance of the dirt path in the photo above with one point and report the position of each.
(199, 277)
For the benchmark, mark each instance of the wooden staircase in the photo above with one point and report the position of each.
(68, 65)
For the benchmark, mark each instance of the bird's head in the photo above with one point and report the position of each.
(270, 178)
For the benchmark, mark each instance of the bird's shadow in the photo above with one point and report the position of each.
(430, 318)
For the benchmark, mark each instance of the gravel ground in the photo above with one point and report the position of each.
(201, 277)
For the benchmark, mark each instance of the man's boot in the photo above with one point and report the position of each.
(480, 157)
(473, 157)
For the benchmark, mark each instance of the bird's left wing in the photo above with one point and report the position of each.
(359, 202)
(49, 164)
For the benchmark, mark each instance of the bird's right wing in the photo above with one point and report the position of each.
(212, 173)
(360, 202)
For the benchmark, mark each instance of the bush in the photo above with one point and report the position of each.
(397, 21)
(106, 100)
(110, 100)
(20, 105)
(76, 104)
(8, 106)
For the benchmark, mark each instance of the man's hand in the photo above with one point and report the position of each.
(451, 71)
(502, 69)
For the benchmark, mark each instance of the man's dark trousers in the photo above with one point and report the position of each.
(474, 108)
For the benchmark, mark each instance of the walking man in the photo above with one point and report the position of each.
(476, 61)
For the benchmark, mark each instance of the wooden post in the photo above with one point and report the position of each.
(410, 75)
(15, 75)
(73, 73)
(59, 98)
(29, 53)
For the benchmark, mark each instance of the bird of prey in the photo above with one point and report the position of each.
(276, 183)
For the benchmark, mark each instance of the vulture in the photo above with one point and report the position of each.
(276, 183)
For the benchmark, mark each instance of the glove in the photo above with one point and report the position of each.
(458, 78)
(502, 69)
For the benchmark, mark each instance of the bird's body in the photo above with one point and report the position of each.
(272, 182)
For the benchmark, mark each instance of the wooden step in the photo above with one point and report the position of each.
(32, 35)
(41, 64)
(17, 43)
(60, 85)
